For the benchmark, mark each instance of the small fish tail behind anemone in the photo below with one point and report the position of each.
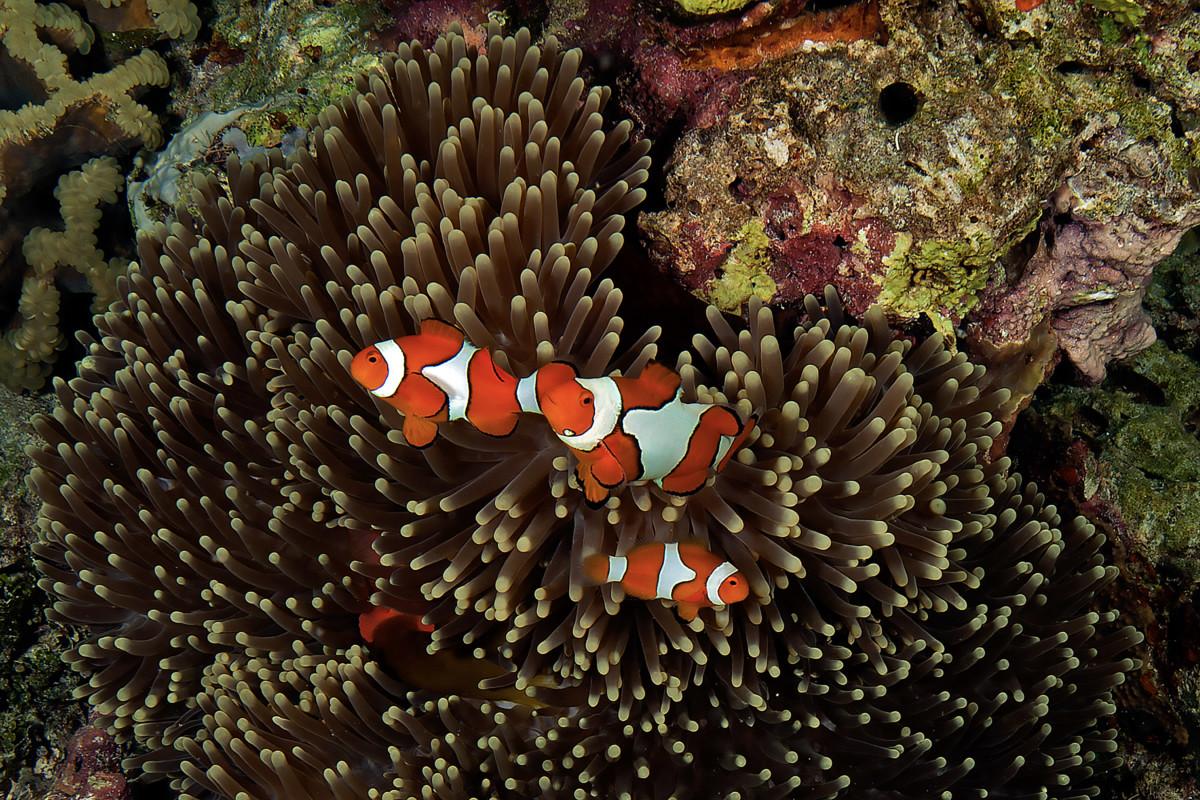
(597, 568)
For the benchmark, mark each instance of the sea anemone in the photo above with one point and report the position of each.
(222, 500)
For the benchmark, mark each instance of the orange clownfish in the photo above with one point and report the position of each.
(437, 376)
(687, 573)
(637, 429)
(398, 639)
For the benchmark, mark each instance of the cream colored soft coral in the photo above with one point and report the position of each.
(67, 122)
(178, 19)
(27, 350)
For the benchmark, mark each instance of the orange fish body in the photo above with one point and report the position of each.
(398, 639)
(437, 376)
(637, 429)
(687, 573)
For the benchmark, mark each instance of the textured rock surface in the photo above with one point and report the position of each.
(1126, 453)
(258, 80)
(91, 769)
(36, 712)
(1034, 144)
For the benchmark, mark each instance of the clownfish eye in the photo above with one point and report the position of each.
(733, 581)
(587, 401)
(372, 357)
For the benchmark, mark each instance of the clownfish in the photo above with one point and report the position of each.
(370, 622)
(637, 429)
(398, 639)
(437, 376)
(685, 572)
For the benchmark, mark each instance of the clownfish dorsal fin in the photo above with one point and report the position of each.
(441, 330)
(555, 374)
(653, 388)
(662, 377)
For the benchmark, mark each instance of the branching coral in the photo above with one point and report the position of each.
(28, 349)
(57, 118)
(49, 119)
(222, 500)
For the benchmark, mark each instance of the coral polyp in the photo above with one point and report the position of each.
(222, 500)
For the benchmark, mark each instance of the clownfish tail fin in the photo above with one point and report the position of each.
(596, 568)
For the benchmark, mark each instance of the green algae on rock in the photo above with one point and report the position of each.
(745, 271)
(259, 84)
(1145, 457)
(705, 8)
(1127, 454)
(1126, 12)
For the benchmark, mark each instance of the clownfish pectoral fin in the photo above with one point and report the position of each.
(738, 441)
(594, 491)
(419, 431)
(608, 469)
(687, 611)
(441, 330)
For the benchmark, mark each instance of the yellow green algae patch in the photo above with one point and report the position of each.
(707, 7)
(938, 278)
(1126, 12)
(745, 271)
(300, 59)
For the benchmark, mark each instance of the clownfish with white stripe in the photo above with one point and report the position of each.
(637, 429)
(685, 572)
(437, 376)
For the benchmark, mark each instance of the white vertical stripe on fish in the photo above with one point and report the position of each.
(527, 394)
(393, 356)
(616, 568)
(452, 377)
(672, 572)
(606, 410)
(713, 585)
(663, 434)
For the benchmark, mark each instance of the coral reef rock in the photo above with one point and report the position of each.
(259, 80)
(37, 712)
(1036, 168)
(91, 769)
(1126, 454)
(222, 501)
